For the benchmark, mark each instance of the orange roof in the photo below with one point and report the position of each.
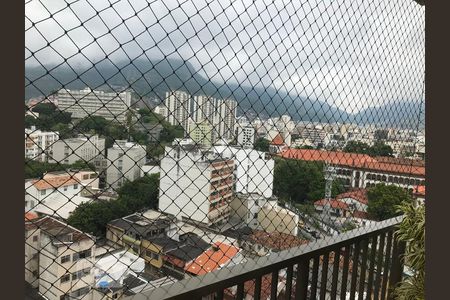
(54, 182)
(419, 190)
(333, 203)
(212, 259)
(357, 194)
(355, 160)
(278, 140)
(30, 216)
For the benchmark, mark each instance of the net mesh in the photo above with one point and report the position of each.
(166, 140)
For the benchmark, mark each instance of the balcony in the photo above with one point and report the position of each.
(368, 268)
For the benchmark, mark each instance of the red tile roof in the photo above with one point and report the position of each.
(359, 195)
(30, 216)
(334, 203)
(278, 140)
(212, 259)
(419, 190)
(54, 182)
(354, 160)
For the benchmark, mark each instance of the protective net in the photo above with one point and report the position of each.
(221, 149)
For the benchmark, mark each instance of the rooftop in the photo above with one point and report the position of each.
(276, 241)
(54, 182)
(354, 160)
(359, 195)
(333, 203)
(212, 259)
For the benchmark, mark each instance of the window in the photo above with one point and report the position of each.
(81, 255)
(65, 188)
(35, 238)
(75, 186)
(65, 278)
(80, 274)
(85, 176)
(43, 192)
(65, 258)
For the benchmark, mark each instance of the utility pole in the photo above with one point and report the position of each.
(329, 173)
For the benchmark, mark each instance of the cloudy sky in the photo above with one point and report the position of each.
(352, 54)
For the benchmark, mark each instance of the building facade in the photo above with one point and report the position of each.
(201, 133)
(85, 148)
(177, 109)
(87, 102)
(246, 136)
(125, 160)
(38, 144)
(59, 259)
(207, 200)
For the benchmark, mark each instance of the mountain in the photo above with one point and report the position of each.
(152, 78)
(399, 114)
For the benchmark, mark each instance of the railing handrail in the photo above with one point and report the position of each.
(211, 282)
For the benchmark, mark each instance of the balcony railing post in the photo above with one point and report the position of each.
(301, 285)
(397, 266)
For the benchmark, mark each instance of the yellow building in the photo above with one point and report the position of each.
(201, 133)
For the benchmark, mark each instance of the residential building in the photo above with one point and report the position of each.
(246, 136)
(278, 144)
(245, 208)
(253, 170)
(84, 147)
(274, 218)
(38, 144)
(201, 133)
(58, 259)
(87, 102)
(225, 118)
(177, 109)
(196, 184)
(153, 131)
(362, 171)
(204, 109)
(220, 255)
(125, 160)
(149, 170)
(58, 188)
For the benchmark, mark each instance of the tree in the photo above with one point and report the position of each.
(35, 169)
(261, 144)
(299, 181)
(384, 199)
(356, 147)
(381, 134)
(380, 149)
(133, 196)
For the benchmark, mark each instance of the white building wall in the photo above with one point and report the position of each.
(184, 187)
(83, 103)
(69, 151)
(124, 163)
(38, 144)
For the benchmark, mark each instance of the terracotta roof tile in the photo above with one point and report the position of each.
(54, 182)
(278, 140)
(334, 203)
(276, 240)
(212, 259)
(355, 160)
(357, 194)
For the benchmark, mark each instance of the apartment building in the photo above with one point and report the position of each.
(58, 192)
(273, 218)
(246, 136)
(58, 259)
(253, 169)
(362, 171)
(125, 160)
(225, 118)
(87, 102)
(245, 208)
(86, 148)
(38, 144)
(196, 184)
(177, 108)
(201, 133)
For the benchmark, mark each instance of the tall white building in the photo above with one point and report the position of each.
(87, 102)
(196, 185)
(177, 108)
(203, 108)
(85, 148)
(225, 118)
(253, 172)
(38, 144)
(246, 136)
(125, 160)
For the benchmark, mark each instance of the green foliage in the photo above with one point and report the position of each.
(133, 196)
(378, 149)
(381, 134)
(412, 232)
(384, 199)
(49, 117)
(169, 133)
(261, 144)
(299, 181)
(35, 169)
